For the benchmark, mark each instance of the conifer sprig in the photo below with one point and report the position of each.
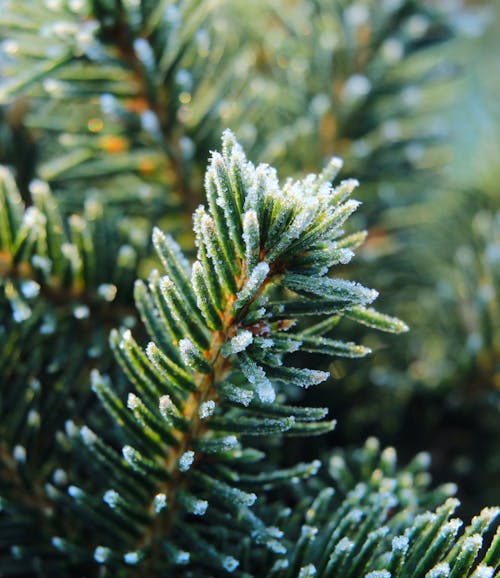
(63, 283)
(377, 520)
(113, 92)
(212, 374)
(81, 260)
(368, 83)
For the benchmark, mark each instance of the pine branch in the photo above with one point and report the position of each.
(121, 96)
(64, 262)
(365, 91)
(209, 377)
(371, 523)
(127, 96)
(63, 285)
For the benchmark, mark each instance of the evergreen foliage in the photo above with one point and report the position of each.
(156, 401)
(446, 374)
(213, 370)
(372, 523)
(211, 376)
(116, 95)
(361, 87)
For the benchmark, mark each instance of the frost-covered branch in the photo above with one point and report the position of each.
(214, 371)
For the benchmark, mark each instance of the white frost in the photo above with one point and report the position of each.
(186, 461)
(102, 554)
(241, 341)
(207, 409)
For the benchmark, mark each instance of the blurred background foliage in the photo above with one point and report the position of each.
(440, 389)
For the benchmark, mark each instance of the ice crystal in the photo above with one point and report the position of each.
(20, 311)
(102, 554)
(182, 558)
(33, 418)
(75, 492)
(441, 570)
(483, 572)
(257, 377)
(230, 564)
(88, 436)
(207, 409)
(19, 454)
(71, 429)
(107, 291)
(132, 558)
(112, 498)
(400, 543)
(160, 502)
(254, 282)
(199, 507)
(186, 461)
(60, 477)
(241, 341)
(81, 312)
(307, 571)
(357, 86)
(166, 406)
(30, 289)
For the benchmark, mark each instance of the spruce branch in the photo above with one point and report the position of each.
(136, 47)
(127, 95)
(63, 284)
(66, 262)
(211, 374)
(371, 518)
(120, 94)
(367, 85)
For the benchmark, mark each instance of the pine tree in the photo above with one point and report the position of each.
(143, 422)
